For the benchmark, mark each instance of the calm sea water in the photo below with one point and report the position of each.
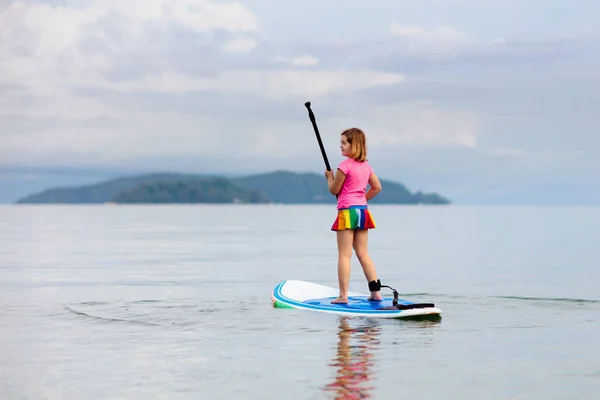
(173, 302)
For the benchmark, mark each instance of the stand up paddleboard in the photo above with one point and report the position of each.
(314, 297)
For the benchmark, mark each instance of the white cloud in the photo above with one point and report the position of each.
(441, 40)
(276, 84)
(202, 15)
(300, 61)
(142, 134)
(47, 30)
(49, 50)
(57, 27)
(42, 46)
(60, 58)
(305, 61)
(270, 84)
(269, 142)
(240, 45)
(421, 124)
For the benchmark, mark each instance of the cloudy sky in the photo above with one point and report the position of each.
(491, 101)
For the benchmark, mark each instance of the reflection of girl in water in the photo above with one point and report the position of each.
(353, 362)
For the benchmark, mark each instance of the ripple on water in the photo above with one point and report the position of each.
(151, 312)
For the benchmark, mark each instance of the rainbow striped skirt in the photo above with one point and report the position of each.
(354, 217)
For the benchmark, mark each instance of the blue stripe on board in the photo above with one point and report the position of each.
(280, 297)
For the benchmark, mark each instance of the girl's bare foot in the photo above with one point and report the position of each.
(340, 300)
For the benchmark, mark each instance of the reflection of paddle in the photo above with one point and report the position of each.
(314, 124)
(352, 368)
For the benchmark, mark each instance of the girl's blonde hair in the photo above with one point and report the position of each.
(358, 143)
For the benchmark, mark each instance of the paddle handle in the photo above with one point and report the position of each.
(311, 115)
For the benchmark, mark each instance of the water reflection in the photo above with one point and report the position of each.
(354, 359)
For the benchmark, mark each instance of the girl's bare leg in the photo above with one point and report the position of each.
(344, 241)
(360, 244)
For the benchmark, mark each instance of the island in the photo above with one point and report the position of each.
(284, 187)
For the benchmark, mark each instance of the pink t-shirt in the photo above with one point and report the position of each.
(354, 188)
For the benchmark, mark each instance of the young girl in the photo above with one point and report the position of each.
(354, 218)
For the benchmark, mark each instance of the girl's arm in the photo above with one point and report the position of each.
(335, 183)
(375, 186)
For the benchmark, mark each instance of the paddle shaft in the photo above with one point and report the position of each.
(311, 115)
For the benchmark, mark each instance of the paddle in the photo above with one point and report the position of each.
(314, 124)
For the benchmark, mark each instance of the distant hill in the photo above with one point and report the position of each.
(276, 187)
(288, 187)
(293, 187)
(104, 191)
(216, 190)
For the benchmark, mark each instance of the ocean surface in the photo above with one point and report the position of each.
(173, 302)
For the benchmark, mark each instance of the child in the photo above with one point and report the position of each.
(354, 218)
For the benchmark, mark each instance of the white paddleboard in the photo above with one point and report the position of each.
(314, 297)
